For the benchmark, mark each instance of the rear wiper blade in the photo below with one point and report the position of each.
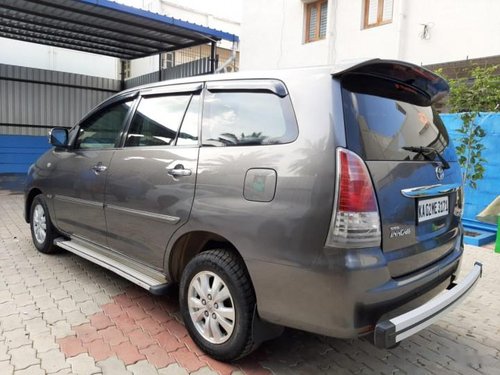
(427, 150)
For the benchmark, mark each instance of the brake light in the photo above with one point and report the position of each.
(355, 188)
(355, 220)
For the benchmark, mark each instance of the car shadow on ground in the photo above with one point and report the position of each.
(12, 183)
(436, 350)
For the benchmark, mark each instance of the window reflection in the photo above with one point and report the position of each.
(385, 125)
(188, 134)
(245, 119)
(157, 120)
(104, 129)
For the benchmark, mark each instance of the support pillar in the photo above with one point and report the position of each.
(122, 74)
(212, 57)
(159, 67)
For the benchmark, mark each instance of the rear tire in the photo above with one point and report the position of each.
(43, 232)
(217, 303)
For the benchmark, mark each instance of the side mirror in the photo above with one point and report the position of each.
(58, 137)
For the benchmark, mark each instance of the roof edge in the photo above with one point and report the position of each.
(206, 31)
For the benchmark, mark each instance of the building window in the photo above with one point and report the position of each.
(167, 60)
(377, 12)
(316, 13)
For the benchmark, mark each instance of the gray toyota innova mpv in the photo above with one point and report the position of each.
(324, 200)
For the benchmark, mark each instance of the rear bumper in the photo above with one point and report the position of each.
(389, 332)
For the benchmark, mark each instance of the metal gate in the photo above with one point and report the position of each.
(189, 69)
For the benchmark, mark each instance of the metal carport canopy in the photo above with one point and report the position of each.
(102, 27)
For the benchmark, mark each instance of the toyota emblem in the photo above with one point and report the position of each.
(439, 172)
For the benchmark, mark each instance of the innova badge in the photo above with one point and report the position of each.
(439, 172)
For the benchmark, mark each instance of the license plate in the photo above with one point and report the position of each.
(429, 209)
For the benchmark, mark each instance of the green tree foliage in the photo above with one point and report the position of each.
(469, 97)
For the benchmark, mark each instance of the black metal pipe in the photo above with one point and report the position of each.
(159, 67)
(122, 74)
(34, 126)
(38, 82)
(212, 57)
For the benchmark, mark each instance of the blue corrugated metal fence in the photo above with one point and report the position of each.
(488, 188)
(18, 152)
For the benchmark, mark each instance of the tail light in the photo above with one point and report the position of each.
(355, 220)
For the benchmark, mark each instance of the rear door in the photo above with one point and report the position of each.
(386, 111)
(151, 180)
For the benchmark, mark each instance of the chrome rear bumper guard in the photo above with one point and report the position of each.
(389, 332)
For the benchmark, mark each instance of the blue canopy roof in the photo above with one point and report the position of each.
(102, 27)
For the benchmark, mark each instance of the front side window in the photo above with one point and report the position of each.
(377, 12)
(316, 17)
(104, 129)
(247, 119)
(157, 120)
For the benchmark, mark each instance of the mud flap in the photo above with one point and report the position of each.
(262, 330)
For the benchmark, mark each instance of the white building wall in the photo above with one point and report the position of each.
(39, 56)
(207, 16)
(272, 34)
(353, 42)
(460, 29)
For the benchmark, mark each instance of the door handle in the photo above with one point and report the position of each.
(99, 168)
(179, 171)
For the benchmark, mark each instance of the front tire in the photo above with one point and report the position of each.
(217, 303)
(43, 232)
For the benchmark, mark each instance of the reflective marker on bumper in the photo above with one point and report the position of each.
(390, 332)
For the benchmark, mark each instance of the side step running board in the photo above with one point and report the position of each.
(156, 284)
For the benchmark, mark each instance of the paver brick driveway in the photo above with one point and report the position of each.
(60, 314)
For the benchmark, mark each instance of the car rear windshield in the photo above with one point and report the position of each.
(382, 117)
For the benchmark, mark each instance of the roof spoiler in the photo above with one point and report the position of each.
(429, 84)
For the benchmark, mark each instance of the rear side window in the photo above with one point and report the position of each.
(157, 120)
(379, 126)
(188, 135)
(246, 119)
